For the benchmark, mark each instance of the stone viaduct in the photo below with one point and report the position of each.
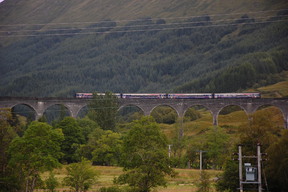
(74, 105)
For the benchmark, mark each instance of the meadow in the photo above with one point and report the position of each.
(185, 181)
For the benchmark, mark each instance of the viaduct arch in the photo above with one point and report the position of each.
(74, 105)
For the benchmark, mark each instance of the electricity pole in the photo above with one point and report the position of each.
(201, 158)
(259, 167)
(253, 174)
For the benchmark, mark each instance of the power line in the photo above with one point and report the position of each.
(135, 20)
(142, 30)
(132, 26)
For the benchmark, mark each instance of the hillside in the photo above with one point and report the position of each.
(277, 90)
(57, 48)
(71, 11)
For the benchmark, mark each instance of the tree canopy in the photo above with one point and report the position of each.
(277, 165)
(73, 139)
(80, 176)
(36, 152)
(145, 158)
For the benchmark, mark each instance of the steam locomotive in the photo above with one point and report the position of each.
(175, 95)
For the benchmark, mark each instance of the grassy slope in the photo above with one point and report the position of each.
(20, 14)
(44, 11)
(185, 180)
(277, 90)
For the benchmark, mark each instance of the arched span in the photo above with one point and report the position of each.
(280, 108)
(165, 114)
(126, 105)
(243, 108)
(26, 104)
(25, 109)
(47, 106)
(195, 105)
(168, 105)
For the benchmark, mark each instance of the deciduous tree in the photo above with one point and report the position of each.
(145, 158)
(107, 150)
(204, 184)
(73, 139)
(36, 152)
(7, 134)
(80, 176)
(229, 180)
(261, 129)
(277, 165)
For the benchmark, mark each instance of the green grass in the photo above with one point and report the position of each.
(229, 122)
(185, 180)
(277, 90)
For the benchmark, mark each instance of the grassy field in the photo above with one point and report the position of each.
(185, 181)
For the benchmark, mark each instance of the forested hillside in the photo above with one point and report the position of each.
(153, 47)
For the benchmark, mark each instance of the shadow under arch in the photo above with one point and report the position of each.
(56, 112)
(197, 118)
(275, 114)
(232, 117)
(129, 112)
(164, 113)
(24, 110)
(199, 109)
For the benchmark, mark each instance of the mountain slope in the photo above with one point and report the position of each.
(75, 47)
(45, 11)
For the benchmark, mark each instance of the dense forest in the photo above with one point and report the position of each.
(193, 54)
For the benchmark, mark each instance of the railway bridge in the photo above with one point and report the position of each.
(74, 105)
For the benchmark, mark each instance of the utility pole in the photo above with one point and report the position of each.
(253, 174)
(259, 167)
(201, 158)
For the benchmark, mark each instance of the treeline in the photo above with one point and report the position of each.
(146, 55)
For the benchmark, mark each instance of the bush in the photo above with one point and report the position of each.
(51, 182)
(80, 176)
